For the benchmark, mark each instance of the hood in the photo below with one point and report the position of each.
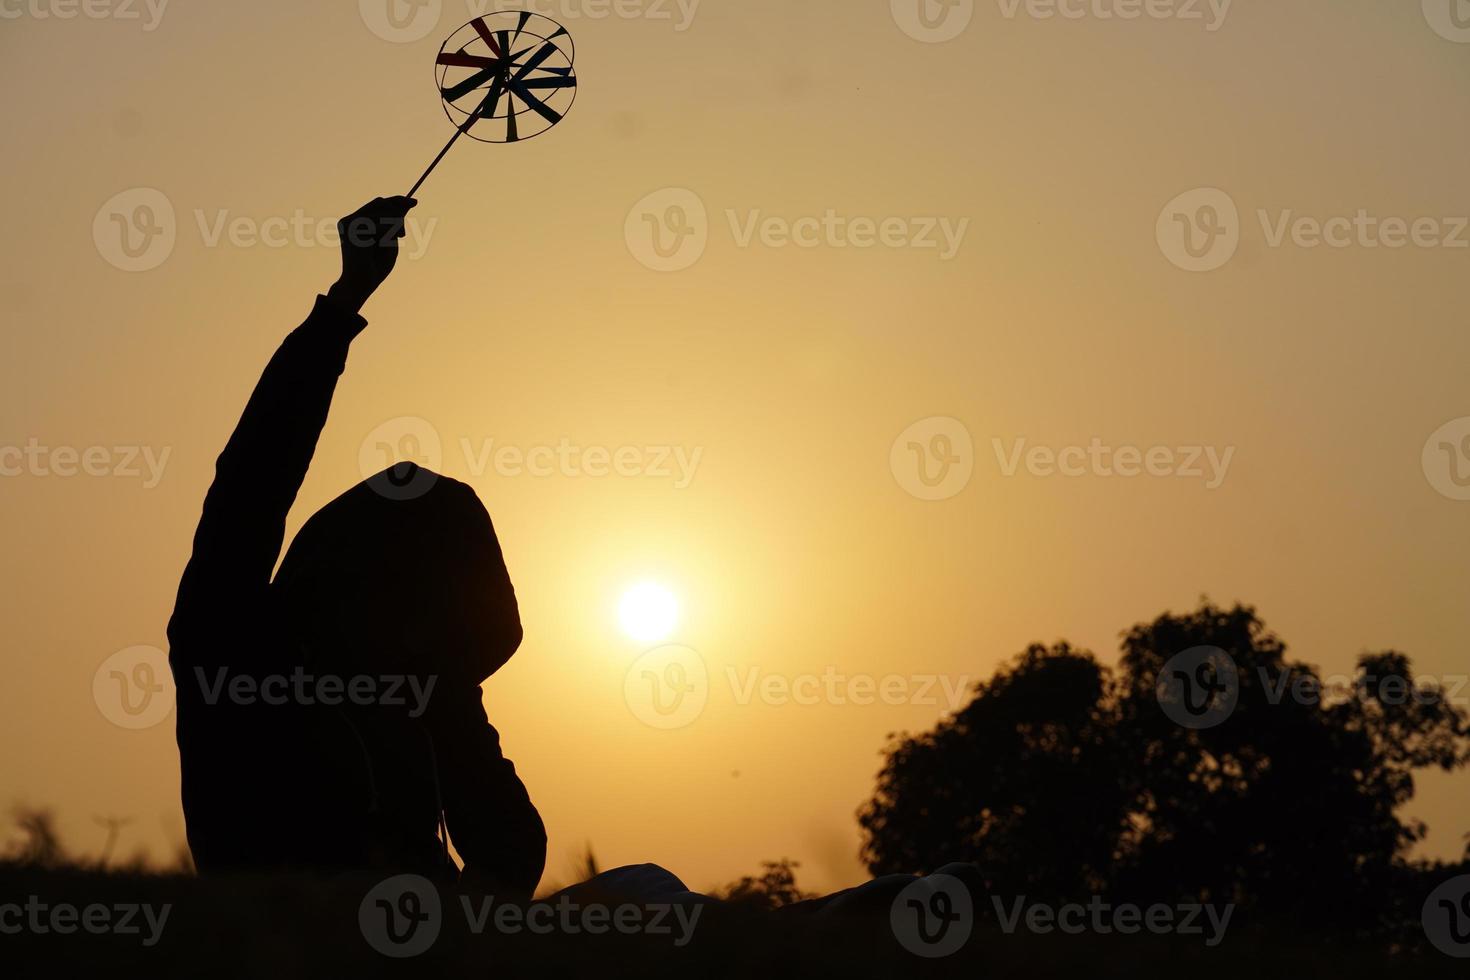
(401, 574)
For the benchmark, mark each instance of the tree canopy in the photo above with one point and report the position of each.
(1064, 778)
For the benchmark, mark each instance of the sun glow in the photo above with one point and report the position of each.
(648, 612)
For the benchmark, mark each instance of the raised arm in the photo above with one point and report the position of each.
(262, 467)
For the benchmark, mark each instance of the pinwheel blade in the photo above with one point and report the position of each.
(536, 105)
(492, 102)
(546, 51)
(521, 26)
(463, 59)
(548, 83)
(488, 36)
(456, 92)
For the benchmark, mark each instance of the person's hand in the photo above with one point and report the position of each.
(369, 249)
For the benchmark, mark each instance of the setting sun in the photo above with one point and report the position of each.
(648, 612)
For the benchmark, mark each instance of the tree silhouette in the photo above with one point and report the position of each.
(1025, 781)
(1063, 778)
(775, 888)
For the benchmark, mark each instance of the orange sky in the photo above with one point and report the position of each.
(528, 315)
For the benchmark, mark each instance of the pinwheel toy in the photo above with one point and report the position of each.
(503, 78)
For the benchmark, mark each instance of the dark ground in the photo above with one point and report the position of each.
(298, 928)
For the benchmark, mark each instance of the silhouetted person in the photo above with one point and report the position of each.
(327, 719)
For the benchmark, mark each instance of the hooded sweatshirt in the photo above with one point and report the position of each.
(328, 719)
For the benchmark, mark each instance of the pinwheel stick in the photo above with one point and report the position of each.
(486, 108)
(457, 134)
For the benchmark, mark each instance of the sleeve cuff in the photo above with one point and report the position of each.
(330, 317)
